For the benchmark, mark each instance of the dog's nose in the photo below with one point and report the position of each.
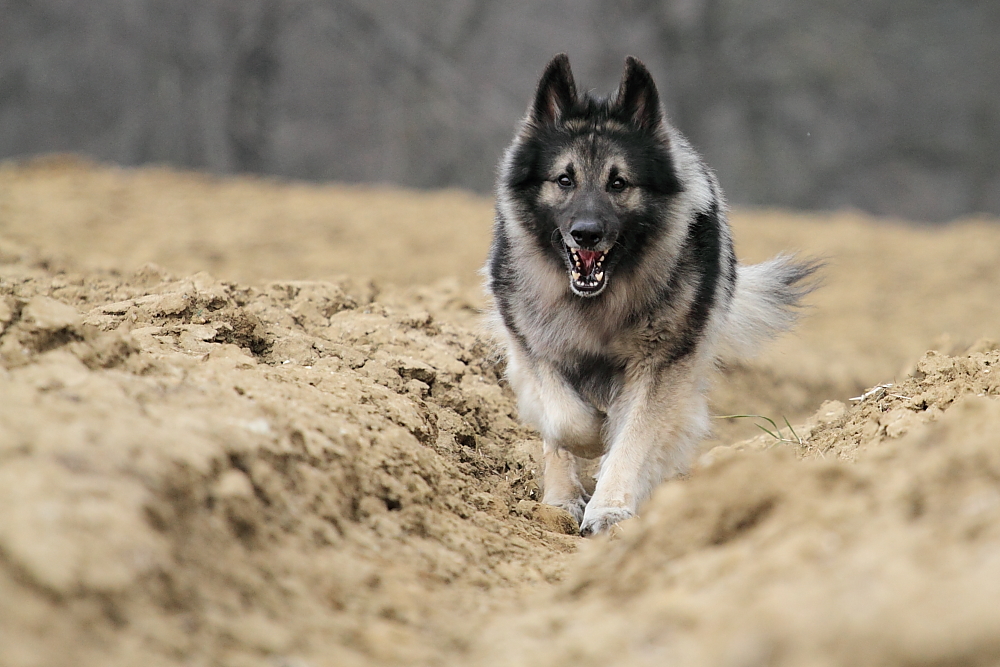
(587, 233)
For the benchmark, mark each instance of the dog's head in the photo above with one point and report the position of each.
(590, 178)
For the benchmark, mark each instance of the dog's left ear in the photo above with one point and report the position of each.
(637, 96)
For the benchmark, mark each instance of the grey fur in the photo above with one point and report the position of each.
(620, 372)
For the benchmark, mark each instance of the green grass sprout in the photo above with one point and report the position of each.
(776, 433)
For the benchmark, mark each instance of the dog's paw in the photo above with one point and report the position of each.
(575, 506)
(599, 520)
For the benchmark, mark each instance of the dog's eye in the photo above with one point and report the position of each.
(618, 184)
(564, 181)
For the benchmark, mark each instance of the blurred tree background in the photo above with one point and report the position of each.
(890, 106)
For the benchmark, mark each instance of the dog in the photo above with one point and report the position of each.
(616, 291)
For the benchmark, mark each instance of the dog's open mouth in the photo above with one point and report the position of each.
(587, 275)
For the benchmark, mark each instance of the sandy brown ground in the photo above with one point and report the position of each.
(247, 422)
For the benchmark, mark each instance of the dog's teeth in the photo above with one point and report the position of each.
(598, 276)
(576, 275)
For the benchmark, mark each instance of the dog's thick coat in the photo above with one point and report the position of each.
(616, 289)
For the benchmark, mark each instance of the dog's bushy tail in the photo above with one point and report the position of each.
(765, 303)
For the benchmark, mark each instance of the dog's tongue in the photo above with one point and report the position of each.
(587, 259)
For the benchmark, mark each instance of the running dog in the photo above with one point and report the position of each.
(616, 290)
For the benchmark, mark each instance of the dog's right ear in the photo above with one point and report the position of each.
(556, 92)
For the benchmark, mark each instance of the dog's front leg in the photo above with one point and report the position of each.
(653, 428)
(561, 481)
(567, 423)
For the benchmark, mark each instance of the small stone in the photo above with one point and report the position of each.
(233, 484)
(50, 315)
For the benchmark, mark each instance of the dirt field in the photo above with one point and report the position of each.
(247, 422)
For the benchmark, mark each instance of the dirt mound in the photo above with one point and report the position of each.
(278, 466)
(763, 558)
(190, 468)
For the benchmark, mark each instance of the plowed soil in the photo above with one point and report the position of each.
(249, 422)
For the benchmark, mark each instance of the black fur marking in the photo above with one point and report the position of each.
(596, 378)
(703, 255)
